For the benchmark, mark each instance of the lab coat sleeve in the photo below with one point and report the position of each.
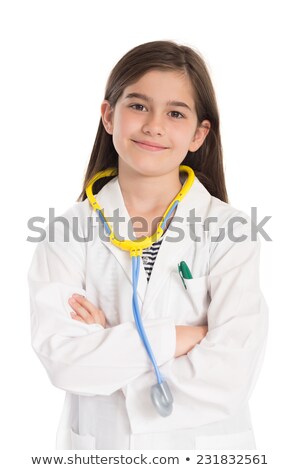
(81, 358)
(215, 379)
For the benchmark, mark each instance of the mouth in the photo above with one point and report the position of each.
(151, 146)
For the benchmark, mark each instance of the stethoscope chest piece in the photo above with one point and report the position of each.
(162, 398)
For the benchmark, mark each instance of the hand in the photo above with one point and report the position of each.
(187, 337)
(85, 311)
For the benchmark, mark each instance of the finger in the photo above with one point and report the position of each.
(89, 306)
(82, 312)
(96, 312)
(89, 318)
(77, 317)
(100, 318)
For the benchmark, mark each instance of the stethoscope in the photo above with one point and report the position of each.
(161, 395)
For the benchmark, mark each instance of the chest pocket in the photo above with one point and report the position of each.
(188, 306)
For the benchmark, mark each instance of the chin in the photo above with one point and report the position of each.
(144, 166)
(149, 166)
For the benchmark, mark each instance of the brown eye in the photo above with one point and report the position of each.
(177, 114)
(137, 107)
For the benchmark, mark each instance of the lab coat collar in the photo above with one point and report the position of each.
(171, 252)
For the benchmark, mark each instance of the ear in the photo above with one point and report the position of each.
(107, 116)
(199, 136)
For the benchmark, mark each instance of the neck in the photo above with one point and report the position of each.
(148, 193)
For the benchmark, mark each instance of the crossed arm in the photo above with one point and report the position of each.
(186, 336)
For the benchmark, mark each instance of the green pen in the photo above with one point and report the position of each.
(184, 272)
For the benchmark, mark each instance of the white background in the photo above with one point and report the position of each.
(55, 59)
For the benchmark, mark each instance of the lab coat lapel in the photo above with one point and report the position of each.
(111, 201)
(174, 247)
(166, 262)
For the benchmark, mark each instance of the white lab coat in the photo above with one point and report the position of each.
(106, 372)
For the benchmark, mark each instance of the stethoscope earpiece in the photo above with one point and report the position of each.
(162, 399)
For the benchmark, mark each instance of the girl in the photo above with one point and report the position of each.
(197, 292)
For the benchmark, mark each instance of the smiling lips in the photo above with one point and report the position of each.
(152, 146)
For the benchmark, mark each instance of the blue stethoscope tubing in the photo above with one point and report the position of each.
(160, 393)
(137, 316)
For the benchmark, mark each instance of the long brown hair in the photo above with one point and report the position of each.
(207, 161)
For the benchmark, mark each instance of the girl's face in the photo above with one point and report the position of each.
(154, 123)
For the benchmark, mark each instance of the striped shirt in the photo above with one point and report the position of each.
(149, 256)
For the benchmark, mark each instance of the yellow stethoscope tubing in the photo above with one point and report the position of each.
(135, 247)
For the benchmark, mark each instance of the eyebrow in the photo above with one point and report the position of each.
(148, 99)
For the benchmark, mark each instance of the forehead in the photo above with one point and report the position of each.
(163, 86)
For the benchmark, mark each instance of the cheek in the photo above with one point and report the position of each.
(123, 132)
(182, 136)
(124, 124)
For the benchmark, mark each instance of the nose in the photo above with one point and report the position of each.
(153, 125)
